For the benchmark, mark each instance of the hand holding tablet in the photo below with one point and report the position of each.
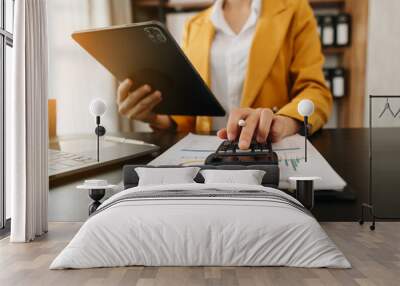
(150, 65)
(139, 104)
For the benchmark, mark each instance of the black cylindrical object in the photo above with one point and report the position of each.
(343, 29)
(328, 78)
(338, 82)
(328, 31)
(96, 195)
(305, 193)
(100, 130)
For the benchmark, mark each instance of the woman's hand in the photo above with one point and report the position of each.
(139, 104)
(260, 123)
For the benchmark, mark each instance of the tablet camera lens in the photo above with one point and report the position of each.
(161, 38)
(155, 35)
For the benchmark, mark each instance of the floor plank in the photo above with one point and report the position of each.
(375, 257)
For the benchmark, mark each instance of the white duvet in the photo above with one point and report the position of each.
(200, 231)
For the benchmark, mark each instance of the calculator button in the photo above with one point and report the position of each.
(243, 151)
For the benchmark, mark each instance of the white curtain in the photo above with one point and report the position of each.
(27, 137)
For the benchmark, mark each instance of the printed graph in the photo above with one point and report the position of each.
(290, 157)
(293, 163)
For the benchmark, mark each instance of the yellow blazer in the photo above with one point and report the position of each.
(284, 67)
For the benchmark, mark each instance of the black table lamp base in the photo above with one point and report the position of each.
(96, 195)
(305, 193)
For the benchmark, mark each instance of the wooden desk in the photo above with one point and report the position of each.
(345, 149)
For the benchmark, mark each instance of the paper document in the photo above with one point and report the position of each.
(191, 150)
(194, 149)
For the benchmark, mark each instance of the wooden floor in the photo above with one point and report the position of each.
(375, 257)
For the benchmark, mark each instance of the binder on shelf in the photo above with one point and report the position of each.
(334, 30)
(328, 78)
(319, 24)
(335, 79)
(338, 82)
(328, 31)
(343, 29)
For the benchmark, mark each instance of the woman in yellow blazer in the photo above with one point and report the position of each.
(283, 65)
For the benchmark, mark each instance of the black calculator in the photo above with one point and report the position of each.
(229, 153)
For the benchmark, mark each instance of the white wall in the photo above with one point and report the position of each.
(75, 78)
(383, 59)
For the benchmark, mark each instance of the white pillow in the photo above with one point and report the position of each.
(248, 177)
(165, 176)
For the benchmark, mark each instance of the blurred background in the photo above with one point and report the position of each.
(361, 40)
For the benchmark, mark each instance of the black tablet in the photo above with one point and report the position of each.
(148, 54)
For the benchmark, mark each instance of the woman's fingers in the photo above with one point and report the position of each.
(145, 105)
(258, 125)
(233, 130)
(222, 133)
(147, 111)
(133, 98)
(264, 125)
(247, 132)
(123, 90)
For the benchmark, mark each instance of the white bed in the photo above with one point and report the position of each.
(269, 228)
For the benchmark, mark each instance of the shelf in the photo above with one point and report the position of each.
(334, 50)
(206, 3)
(327, 3)
(175, 6)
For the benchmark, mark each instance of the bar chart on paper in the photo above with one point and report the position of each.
(290, 157)
(292, 164)
(194, 149)
(191, 150)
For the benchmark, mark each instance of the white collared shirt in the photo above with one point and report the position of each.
(229, 58)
